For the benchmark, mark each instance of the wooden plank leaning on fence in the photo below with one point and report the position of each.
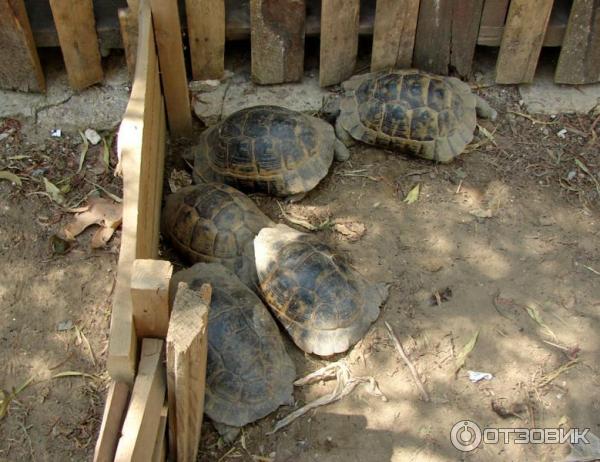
(277, 37)
(129, 32)
(20, 67)
(142, 421)
(141, 146)
(579, 60)
(466, 18)
(493, 17)
(522, 40)
(394, 34)
(112, 420)
(187, 346)
(206, 32)
(76, 28)
(339, 40)
(432, 43)
(167, 32)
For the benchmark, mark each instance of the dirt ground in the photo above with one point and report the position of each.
(506, 236)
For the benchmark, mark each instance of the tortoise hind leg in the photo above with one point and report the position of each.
(342, 134)
(227, 432)
(484, 110)
(340, 151)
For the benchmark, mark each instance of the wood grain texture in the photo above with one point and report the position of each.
(112, 421)
(579, 60)
(277, 39)
(494, 13)
(76, 28)
(394, 34)
(522, 40)
(186, 369)
(129, 32)
(141, 147)
(20, 67)
(466, 18)
(160, 448)
(339, 40)
(206, 31)
(432, 43)
(142, 421)
(167, 33)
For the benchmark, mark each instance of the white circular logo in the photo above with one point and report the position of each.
(465, 435)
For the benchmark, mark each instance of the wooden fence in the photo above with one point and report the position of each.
(439, 36)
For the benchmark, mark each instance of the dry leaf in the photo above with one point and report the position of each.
(100, 211)
(413, 195)
(84, 151)
(462, 356)
(73, 374)
(6, 175)
(351, 230)
(179, 179)
(55, 194)
(534, 314)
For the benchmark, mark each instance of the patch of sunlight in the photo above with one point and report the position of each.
(487, 260)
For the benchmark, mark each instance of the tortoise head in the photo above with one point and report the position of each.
(330, 109)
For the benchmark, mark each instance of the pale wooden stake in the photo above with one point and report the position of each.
(206, 31)
(112, 421)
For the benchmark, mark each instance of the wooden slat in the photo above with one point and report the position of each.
(141, 425)
(141, 150)
(432, 43)
(579, 60)
(160, 448)
(466, 17)
(150, 281)
(129, 32)
(394, 34)
(112, 421)
(494, 13)
(76, 28)
(277, 40)
(167, 33)
(522, 40)
(206, 31)
(20, 67)
(339, 40)
(186, 369)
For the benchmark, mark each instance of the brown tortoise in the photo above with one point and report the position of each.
(323, 303)
(215, 223)
(425, 115)
(268, 149)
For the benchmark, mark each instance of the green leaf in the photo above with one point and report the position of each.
(534, 314)
(9, 176)
(74, 374)
(462, 356)
(107, 141)
(84, 151)
(54, 192)
(413, 195)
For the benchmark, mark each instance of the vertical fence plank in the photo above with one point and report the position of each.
(277, 36)
(432, 43)
(522, 40)
(493, 17)
(206, 31)
(339, 40)
(20, 67)
(394, 34)
(579, 60)
(466, 18)
(167, 31)
(76, 28)
(129, 32)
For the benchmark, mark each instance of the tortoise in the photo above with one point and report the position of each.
(324, 304)
(215, 223)
(268, 149)
(249, 373)
(422, 114)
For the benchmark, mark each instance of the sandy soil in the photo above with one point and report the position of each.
(511, 228)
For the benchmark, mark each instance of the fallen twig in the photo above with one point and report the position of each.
(412, 369)
(528, 117)
(546, 379)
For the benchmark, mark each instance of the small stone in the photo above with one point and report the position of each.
(64, 325)
(3, 136)
(92, 136)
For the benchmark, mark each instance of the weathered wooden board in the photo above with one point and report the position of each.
(112, 421)
(20, 67)
(432, 43)
(277, 40)
(160, 448)
(76, 28)
(394, 34)
(167, 33)
(141, 146)
(129, 32)
(339, 40)
(206, 31)
(522, 40)
(142, 421)
(466, 18)
(579, 60)
(186, 369)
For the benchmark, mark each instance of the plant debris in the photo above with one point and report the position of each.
(462, 356)
(504, 411)
(413, 195)
(9, 176)
(350, 230)
(439, 297)
(99, 211)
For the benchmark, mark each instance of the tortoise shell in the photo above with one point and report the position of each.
(422, 114)
(248, 373)
(215, 223)
(321, 301)
(266, 149)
